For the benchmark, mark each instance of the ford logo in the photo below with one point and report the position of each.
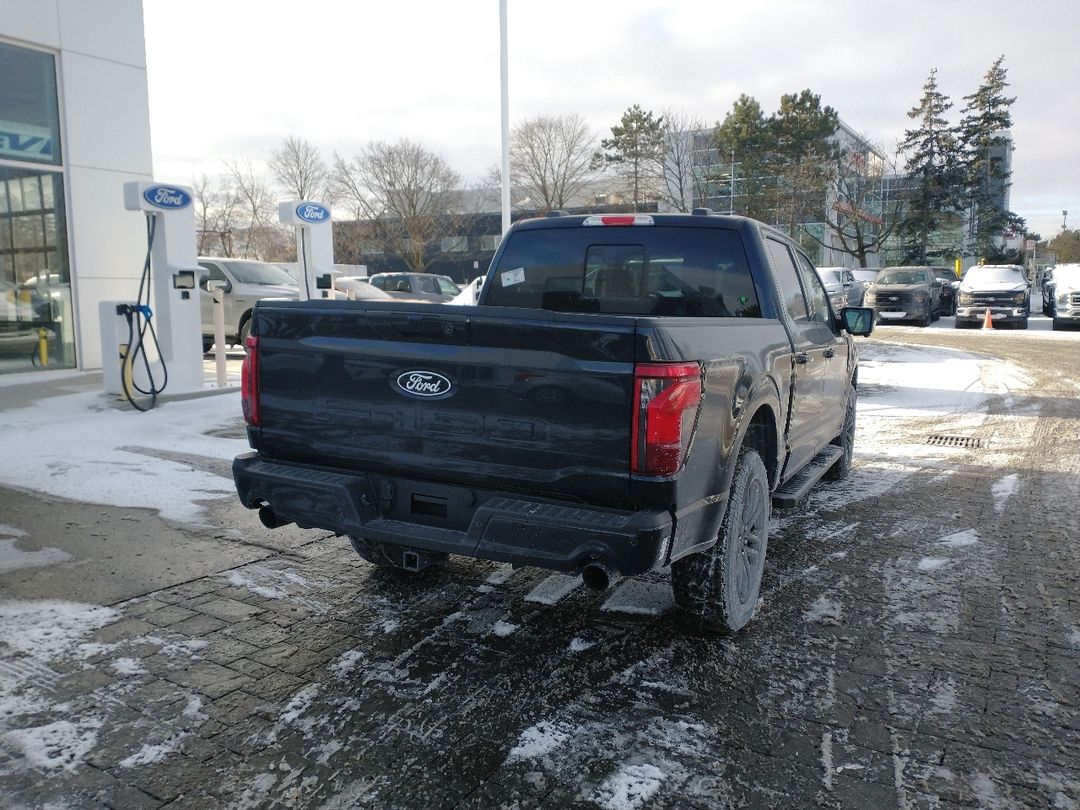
(167, 197)
(313, 212)
(424, 384)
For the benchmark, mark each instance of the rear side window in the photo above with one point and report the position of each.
(627, 271)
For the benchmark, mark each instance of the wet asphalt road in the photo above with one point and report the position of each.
(918, 645)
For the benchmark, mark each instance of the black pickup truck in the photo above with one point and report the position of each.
(631, 392)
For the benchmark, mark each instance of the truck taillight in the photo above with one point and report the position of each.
(666, 400)
(249, 382)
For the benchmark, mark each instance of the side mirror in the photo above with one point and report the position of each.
(858, 320)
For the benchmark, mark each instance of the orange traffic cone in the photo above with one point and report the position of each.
(988, 321)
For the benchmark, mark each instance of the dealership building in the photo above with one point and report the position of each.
(74, 127)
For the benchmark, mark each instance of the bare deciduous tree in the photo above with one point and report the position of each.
(551, 159)
(216, 205)
(683, 185)
(260, 234)
(300, 170)
(408, 196)
(859, 219)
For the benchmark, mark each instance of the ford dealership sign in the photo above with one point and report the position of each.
(167, 197)
(313, 212)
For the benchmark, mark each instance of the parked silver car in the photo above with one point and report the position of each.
(245, 283)
(417, 286)
(837, 281)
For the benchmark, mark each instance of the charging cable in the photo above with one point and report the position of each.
(140, 322)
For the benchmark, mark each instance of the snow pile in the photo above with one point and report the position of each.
(932, 563)
(61, 744)
(539, 740)
(502, 629)
(641, 598)
(968, 537)
(579, 644)
(629, 788)
(46, 628)
(824, 611)
(149, 754)
(128, 666)
(346, 663)
(79, 448)
(552, 589)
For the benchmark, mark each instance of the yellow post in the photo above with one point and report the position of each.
(126, 364)
(43, 346)
(959, 268)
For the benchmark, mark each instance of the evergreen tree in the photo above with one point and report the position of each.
(982, 138)
(805, 151)
(744, 140)
(932, 164)
(636, 150)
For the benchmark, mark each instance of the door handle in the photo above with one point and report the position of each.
(802, 358)
(830, 353)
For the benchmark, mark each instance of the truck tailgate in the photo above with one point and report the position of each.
(501, 399)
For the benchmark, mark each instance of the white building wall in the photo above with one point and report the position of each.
(105, 141)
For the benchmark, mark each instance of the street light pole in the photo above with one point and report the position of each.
(503, 64)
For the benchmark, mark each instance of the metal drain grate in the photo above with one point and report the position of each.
(954, 441)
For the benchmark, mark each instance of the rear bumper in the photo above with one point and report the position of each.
(454, 519)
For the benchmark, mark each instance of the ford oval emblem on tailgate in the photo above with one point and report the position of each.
(424, 384)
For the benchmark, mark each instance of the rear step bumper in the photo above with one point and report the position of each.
(490, 525)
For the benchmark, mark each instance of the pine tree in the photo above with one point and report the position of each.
(745, 139)
(636, 150)
(932, 163)
(805, 152)
(981, 134)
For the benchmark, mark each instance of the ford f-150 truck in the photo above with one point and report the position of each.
(630, 392)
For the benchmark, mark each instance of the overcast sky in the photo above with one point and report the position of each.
(232, 78)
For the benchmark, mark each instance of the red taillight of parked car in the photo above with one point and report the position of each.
(666, 400)
(249, 382)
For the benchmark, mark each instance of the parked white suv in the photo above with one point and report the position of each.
(245, 283)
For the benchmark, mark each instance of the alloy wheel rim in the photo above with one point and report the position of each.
(750, 542)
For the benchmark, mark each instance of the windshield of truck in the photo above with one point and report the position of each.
(902, 277)
(831, 277)
(865, 275)
(259, 273)
(644, 270)
(981, 275)
(1067, 277)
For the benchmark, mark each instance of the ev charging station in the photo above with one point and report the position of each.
(174, 323)
(314, 246)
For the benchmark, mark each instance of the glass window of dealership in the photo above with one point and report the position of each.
(36, 328)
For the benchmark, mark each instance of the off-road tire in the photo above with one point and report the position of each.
(846, 440)
(717, 589)
(388, 555)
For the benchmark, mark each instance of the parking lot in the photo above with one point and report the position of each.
(917, 642)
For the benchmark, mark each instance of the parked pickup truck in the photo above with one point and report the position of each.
(631, 392)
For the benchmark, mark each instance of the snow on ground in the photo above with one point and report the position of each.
(12, 558)
(540, 739)
(79, 447)
(552, 589)
(1003, 490)
(640, 597)
(629, 788)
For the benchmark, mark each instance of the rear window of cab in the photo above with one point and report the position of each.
(652, 270)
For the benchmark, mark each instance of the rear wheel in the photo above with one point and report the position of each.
(717, 589)
(207, 345)
(846, 440)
